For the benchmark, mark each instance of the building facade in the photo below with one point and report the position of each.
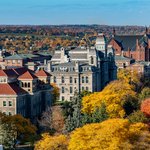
(24, 92)
(83, 68)
(133, 46)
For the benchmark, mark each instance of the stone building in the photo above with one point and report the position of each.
(83, 68)
(21, 92)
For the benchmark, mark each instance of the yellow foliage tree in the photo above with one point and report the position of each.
(113, 134)
(55, 92)
(113, 96)
(128, 76)
(52, 142)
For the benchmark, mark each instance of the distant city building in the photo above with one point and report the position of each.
(83, 68)
(133, 46)
(24, 92)
(142, 68)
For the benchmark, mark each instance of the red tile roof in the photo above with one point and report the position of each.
(42, 73)
(27, 75)
(10, 89)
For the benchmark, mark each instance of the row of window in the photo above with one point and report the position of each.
(63, 98)
(26, 85)
(84, 80)
(2, 80)
(5, 103)
(8, 113)
(63, 90)
(71, 89)
(85, 88)
(14, 61)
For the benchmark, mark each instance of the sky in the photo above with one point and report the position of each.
(58, 12)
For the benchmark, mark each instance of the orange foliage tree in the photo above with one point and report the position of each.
(145, 107)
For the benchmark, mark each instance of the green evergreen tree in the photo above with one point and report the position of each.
(77, 119)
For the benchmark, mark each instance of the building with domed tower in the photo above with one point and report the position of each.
(83, 68)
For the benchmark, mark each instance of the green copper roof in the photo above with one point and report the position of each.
(16, 57)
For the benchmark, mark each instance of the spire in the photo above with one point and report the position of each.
(146, 30)
(114, 32)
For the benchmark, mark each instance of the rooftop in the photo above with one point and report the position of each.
(27, 75)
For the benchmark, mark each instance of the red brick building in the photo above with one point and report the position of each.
(133, 46)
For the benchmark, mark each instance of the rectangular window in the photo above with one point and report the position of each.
(63, 90)
(82, 88)
(4, 103)
(70, 79)
(82, 79)
(71, 90)
(87, 88)
(62, 98)
(87, 80)
(10, 103)
(62, 79)
(13, 61)
(75, 80)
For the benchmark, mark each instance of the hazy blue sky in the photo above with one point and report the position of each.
(111, 12)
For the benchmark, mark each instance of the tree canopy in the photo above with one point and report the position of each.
(112, 134)
(114, 96)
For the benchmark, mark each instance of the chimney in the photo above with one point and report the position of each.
(62, 54)
(128, 52)
(49, 66)
(45, 61)
(137, 44)
(76, 66)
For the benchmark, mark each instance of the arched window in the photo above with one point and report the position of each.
(22, 84)
(25, 84)
(92, 60)
(62, 79)
(28, 84)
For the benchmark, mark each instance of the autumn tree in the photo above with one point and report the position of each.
(52, 120)
(76, 118)
(52, 142)
(55, 92)
(130, 77)
(115, 97)
(138, 116)
(112, 134)
(145, 107)
(8, 135)
(145, 93)
(24, 129)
